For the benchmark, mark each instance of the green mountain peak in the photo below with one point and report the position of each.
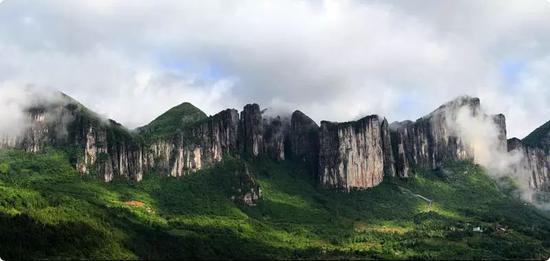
(539, 138)
(174, 120)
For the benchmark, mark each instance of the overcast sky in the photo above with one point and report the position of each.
(335, 60)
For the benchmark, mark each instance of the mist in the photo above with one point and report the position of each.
(481, 134)
(15, 100)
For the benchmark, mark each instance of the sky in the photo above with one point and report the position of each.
(333, 60)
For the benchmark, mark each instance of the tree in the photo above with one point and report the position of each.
(4, 168)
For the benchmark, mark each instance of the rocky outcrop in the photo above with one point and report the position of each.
(202, 144)
(45, 126)
(251, 131)
(104, 148)
(534, 164)
(304, 140)
(500, 123)
(217, 135)
(245, 189)
(351, 154)
(436, 138)
(275, 137)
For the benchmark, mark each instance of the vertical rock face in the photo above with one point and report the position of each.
(389, 159)
(534, 163)
(187, 160)
(351, 155)
(275, 136)
(104, 149)
(433, 139)
(500, 122)
(218, 135)
(534, 152)
(96, 158)
(202, 144)
(251, 130)
(45, 125)
(304, 140)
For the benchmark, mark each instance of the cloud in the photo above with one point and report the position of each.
(480, 133)
(11, 110)
(15, 100)
(334, 60)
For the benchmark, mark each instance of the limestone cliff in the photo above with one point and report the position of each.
(101, 147)
(534, 151)
(435, 138)
(275, 137)
(351, 154)
(251, 131)
(104, 148)
(202, 144)
(304, 140)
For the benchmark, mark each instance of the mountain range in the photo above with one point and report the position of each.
(252, 185)
(350, 155)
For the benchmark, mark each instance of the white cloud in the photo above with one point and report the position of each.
(334, 60)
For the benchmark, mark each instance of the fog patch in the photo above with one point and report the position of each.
(23, 107)
(483, 136)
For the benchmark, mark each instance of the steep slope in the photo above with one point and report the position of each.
(99, 147)
(255, 194)
(535, 157)
(355, 155)
(433, 139)
(352, 155)
(47, 211)
(173, 121)
(539, 138)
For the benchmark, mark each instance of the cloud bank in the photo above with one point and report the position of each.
(334, 60)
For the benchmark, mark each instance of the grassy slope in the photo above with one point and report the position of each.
(47, 211)
(184, 115)
(534, 139)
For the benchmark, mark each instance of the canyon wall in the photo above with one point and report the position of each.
(436, 138)
(349, 155)
(534, 163)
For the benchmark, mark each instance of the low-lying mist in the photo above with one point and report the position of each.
(16, 100)
(481, 134)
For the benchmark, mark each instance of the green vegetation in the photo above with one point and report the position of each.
(48, 211)
(535, 138)
(173, 121)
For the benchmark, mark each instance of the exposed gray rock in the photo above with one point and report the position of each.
(218, 135)
(304, 140)
(275, 136)
(246, 190)
(500, 122)
(534, 163)
(351, 154)
(251, 130)
(201, 145)
(432, 140)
